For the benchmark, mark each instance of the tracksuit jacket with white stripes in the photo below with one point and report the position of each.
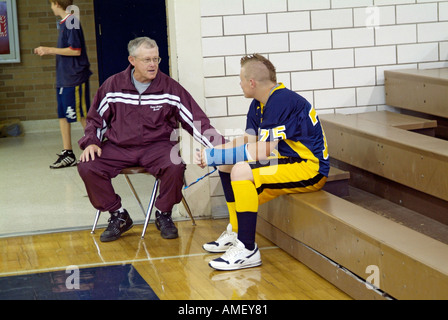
(126, 118)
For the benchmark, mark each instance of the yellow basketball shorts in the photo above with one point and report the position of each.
(278, 176)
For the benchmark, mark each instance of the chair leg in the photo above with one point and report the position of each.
(97, 216)
(131, 186)
(184, 202)
(150, 206)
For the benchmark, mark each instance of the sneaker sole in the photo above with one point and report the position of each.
(74, 164)
(170, 236)
(215, 250)
(236, 267)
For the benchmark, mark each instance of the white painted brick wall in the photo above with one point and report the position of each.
(373, 56)
(223, 46)
(333, 52)
(433, 32)
(263, 6)
(443, 11)
(354, 77)
(222, 86)
(310, 40)
(291, 61)
(289, 21)
(389, 35)
(247, 24)
(330, 19)
(330, 59)
(374, 16)
(444, 51)
(353, 37)
(416, 13)
(296, 5)
(335, 98)
(266, 43)
(417, 52)
(311, 80)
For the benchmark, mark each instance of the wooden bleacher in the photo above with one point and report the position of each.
(339, 239)
(420, 92)
(424, 91)
(400, 121)
(337, 182)
(382, 149)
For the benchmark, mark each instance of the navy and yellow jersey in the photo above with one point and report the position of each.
(291, 119)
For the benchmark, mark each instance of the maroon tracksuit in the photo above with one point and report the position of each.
(135, 129)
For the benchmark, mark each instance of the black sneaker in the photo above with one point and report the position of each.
(165, 224)
(119, 223)
(66, 159)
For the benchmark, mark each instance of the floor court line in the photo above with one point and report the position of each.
(111, 263)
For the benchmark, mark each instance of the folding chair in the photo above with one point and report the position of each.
(147, 213)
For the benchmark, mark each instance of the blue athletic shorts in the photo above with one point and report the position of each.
(73, 102)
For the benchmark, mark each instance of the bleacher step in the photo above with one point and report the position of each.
(337, 182)
(410, 265)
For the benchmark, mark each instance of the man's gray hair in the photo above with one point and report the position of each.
(141, 41)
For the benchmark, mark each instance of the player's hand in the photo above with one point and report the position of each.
(199, 158)
(90, 152)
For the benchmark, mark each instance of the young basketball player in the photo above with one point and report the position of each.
(283, 151)
(72, 78)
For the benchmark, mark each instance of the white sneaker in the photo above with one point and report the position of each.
(237, 257)
(223, 243)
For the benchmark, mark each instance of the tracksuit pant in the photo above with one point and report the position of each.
(160, 159)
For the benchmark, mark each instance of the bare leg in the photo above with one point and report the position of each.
(65, 133)
(83, 122)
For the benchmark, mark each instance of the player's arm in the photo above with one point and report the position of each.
(238, 141)
(69, 51)
(241, 149)
(261, 150)
(258, 150)
(200, 156)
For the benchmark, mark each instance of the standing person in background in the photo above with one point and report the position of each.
(72, 77)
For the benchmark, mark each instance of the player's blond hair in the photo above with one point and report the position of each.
(259, 68)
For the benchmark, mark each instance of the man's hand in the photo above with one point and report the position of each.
(90, 152)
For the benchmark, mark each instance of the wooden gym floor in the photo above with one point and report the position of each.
(44, 229)
(173, 269)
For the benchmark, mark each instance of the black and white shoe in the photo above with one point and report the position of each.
(165, 225)
(237, 257)
(65, 159)
(119, 223)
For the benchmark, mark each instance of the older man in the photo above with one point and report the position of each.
(130, 123)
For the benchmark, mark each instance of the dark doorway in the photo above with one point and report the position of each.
(119, 21)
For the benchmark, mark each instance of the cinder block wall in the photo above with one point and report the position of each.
(333, 52)
(27, 89)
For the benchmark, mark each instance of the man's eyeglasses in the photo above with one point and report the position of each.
(148, 61)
